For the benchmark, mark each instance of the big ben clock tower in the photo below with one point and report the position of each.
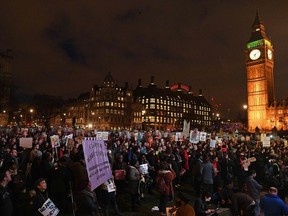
(260, 76)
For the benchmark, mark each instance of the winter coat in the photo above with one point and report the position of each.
(273, 205)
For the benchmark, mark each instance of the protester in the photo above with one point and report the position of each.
(6, 206)
(134, 176)
(272, 204)
(164, 180)
(182, 206)
(108, 197)
(254, 189)
(87, 203)
(242, 204)
(41, 196)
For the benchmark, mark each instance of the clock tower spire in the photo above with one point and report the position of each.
(260, 75)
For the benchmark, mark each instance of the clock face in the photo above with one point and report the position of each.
(269, 53)
(255, 54)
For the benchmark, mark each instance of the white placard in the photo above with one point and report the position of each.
(194, 136)
(266, 141)
(26, 142)
(143, 169)
(212, 143)
(203, 136)
(48, 208)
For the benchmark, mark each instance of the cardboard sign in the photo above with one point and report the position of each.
(26, 142)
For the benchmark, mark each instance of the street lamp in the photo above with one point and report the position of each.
(245, 107)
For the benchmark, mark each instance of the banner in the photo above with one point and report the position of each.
(97, 162)
(26, 142)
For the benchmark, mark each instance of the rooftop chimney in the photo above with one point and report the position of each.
(139, 83)
(152, 80)
(200, 92)
(167, 84)
(190, 90)
(179, 87)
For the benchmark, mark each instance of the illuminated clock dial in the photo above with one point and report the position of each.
(270, 54)
(255, 54)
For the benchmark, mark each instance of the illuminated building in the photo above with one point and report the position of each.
(168, 108)
(263, 110)
(106, 107)
(112, 107)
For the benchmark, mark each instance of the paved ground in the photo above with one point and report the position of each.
(152, 200)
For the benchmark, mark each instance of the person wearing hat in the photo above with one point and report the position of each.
(182, 206)
(41, 196)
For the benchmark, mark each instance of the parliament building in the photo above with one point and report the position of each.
(264, 112)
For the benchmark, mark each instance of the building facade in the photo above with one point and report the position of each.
(104, 108)
(168, 108)
(5, 85)
(264, 112)
(110, 107)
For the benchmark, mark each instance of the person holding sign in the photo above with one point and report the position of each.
(108, 197)
(42, 204)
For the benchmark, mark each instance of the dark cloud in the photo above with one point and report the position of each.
(129, 16)
(198, 43)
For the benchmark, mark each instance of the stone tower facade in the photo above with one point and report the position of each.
(260, 76)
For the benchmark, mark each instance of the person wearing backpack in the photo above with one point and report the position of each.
(164, 180)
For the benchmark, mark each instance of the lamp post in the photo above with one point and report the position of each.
(31, 115)
(245, 118)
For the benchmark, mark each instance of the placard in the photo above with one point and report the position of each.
(26, 142)
(55, 141)
(203, 136)
(48, 208)
(194, 136)
(266, 141)
(212, 143)
(143, 169)
(97, 162)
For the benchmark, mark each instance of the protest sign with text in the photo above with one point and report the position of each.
(97, 162)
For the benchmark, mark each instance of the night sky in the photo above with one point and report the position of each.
(63, 48)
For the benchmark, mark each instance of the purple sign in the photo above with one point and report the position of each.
(97, 163)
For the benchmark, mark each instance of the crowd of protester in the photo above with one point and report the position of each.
(230, 175)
